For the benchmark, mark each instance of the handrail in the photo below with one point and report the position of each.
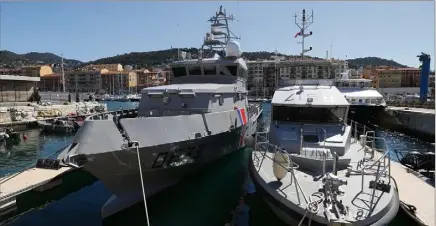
(267, 146)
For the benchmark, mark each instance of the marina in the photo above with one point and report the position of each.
(192, 185)
(216, 138)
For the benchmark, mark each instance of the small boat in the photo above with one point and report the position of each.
(9, 135)
(60, 125)
(313, 168)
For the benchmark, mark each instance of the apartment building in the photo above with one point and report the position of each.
(109, 67)
(264, 76)
(52, 83)
(82, 81)
(151, 77)
(387, 77)
(410, 77)
(119, 82)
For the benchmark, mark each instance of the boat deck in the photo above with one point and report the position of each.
(357, 200)
(414, 191)
(13, 185)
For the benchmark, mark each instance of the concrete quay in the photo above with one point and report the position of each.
(419, 122)
(27, 114)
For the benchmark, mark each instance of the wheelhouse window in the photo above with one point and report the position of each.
(209, 69)
(233, 69)
(308, 114)
(194, 70)
(179, 71)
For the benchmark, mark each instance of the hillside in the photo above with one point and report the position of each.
(143, 59)
(374, 61)
(11, 59)
(153, 58)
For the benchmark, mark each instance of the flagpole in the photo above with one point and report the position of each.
(63, 74)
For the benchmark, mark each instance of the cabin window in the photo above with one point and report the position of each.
(221, 100)
(209, 69)
(367, 101)
(233, 69)
(194, 70)
(179, 71)
(353, 101)
(360, 100)
(308, 115)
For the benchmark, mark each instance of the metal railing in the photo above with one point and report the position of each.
(265, 147)
(361, 133)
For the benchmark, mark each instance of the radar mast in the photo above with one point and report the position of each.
(303, 23)
(220, 34)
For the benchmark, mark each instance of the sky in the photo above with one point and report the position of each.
(85, 31)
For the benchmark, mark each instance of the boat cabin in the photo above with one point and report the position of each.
(360, 92)
(310, 116)
(199, 86)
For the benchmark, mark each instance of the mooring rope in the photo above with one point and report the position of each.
(142, 180)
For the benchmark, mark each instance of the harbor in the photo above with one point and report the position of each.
(201, 184)
(217, 136)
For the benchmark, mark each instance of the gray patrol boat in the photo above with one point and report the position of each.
(203, 115)
(313, 168)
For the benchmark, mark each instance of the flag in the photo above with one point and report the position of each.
(297, 34)
(242, 116)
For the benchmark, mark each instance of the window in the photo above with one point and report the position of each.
(221, 100)
(232, 69)
(178, 71)
(194, 70)
(305, 115)
(209, 69)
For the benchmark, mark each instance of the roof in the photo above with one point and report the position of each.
(357, 93)
(322, 96)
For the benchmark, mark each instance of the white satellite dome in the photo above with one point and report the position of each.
(233, 49)
(128, 68)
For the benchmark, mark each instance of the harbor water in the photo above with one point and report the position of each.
(205, 198)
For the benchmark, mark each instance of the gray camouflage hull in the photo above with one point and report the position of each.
(119, 170)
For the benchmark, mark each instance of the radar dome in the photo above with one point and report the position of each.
(233, 49)
(128, 68)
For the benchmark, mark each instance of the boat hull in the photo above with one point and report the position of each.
(119, 170)
(293, 217)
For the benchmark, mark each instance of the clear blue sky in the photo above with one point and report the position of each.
(91, 30)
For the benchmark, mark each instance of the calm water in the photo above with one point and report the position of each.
(206, 198)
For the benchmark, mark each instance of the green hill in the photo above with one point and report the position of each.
(11, 59)
(154, 58)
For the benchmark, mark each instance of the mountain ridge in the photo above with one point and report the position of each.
(159, 57)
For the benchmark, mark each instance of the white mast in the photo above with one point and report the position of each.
(303, 25)
(63, 73)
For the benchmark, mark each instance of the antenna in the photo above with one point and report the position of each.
(220, 34)
(178, 47)
(303, 24)
(331, 49)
